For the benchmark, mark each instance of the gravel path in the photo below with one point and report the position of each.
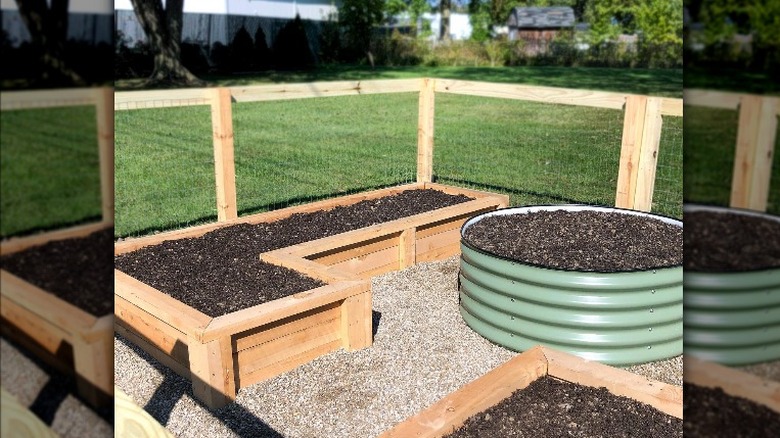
(422, 351)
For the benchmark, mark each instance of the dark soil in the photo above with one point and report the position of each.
(553, 408)
(79, 271)
(727, 242)
(220, 272)
(710, 412)
(582, 240)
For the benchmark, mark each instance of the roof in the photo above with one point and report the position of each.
(541, 18)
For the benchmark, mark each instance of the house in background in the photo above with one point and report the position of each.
(538, 27)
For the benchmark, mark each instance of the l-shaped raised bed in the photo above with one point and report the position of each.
(223, 353)
(52, 327)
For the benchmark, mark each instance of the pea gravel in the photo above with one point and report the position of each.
(422, 351)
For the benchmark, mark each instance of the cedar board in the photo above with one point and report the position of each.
(453, 410)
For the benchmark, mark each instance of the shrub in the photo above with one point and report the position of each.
(291, 48)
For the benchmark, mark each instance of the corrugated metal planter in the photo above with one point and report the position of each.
(618, 318)
(732, 318)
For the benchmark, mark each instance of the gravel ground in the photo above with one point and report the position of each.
(422, 351)
(765, 370)
(26, 380)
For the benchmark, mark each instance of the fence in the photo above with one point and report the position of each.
(639, 145)
(756, 138)
(102, 99)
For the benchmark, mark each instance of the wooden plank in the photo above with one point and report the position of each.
(407, 248)
(370, 262)
(630, 150)
(130, 420)
(437, 241)
(277, 350)
(269, 312)
(28, 99)
(94, 365)
(734, 382)
(711, 98)
(62, 314)
(566, 96)
(104, 103)
(452, 411)
(262, 93)
(212, 372)
(162, 306)
(156, 353)
(439, 253)
(442, 227)
(664, 397)
(133, 244)
(503, 200)
(127, 100)
(305, 266)
(16, 244)
(358, 249)
(48, 336)
(425, 128)
(155, 331)
(356, 322)
(325, 315)
(648, 156)
(224, 160)
(671, 107)
(754, 153)
(19, 422)
(246, 379)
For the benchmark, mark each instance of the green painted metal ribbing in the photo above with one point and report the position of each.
(735, 319)
(729, 337)
(619, 318)
(735, 356)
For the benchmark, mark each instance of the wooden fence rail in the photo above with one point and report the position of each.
(639, 148)
(103, 100)
(756, 136)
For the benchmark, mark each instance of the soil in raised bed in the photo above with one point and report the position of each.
(220, 272)
(710, 412)
(549, 407)
(78, 270)
(727, 242)
(582, 240)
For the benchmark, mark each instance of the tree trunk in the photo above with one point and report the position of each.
(163, 29)
(445, 7)
(48, 27)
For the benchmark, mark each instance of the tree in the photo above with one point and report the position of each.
(48, 27)
(358, 18)
(163, 27)
(445, 7)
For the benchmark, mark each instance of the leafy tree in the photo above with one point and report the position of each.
(479, 17)
(291, 48)
(358, 18)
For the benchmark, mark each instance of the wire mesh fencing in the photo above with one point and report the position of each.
(668, 192)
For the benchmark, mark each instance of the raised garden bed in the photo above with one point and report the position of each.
(722, 401)
(222, 352)
(602, 283)
(55, 291)
(451, 412)
(732, 285)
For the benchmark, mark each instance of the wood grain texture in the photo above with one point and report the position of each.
(630, 151)
(711, 98)
(263, 93)
(29, 99)
(734, 382)
(104, 104)
(131, 421)
(224, 155)
(19, 422)
(648, 156)
(425, 128)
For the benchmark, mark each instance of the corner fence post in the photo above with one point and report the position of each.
(224, 159)
(754, 152)
(425, 131)
(104, 112)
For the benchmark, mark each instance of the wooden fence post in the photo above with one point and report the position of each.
(425, 131)
(104, 111)
(639, 153)
(224, 164)
(754, 152)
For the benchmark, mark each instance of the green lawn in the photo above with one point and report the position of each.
(667, 83)
(290, 152)
(50, 169)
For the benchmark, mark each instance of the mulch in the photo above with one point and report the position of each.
(220, 272)
(549, 407)
(78, 270)
(728, 242)
(710, 412)
(581, 240)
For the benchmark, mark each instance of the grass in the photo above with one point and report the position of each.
(290, 152)
(656, 82)
(50, 169)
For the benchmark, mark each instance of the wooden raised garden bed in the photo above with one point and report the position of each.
(46, 324)
(451, 412)
(224, 353)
